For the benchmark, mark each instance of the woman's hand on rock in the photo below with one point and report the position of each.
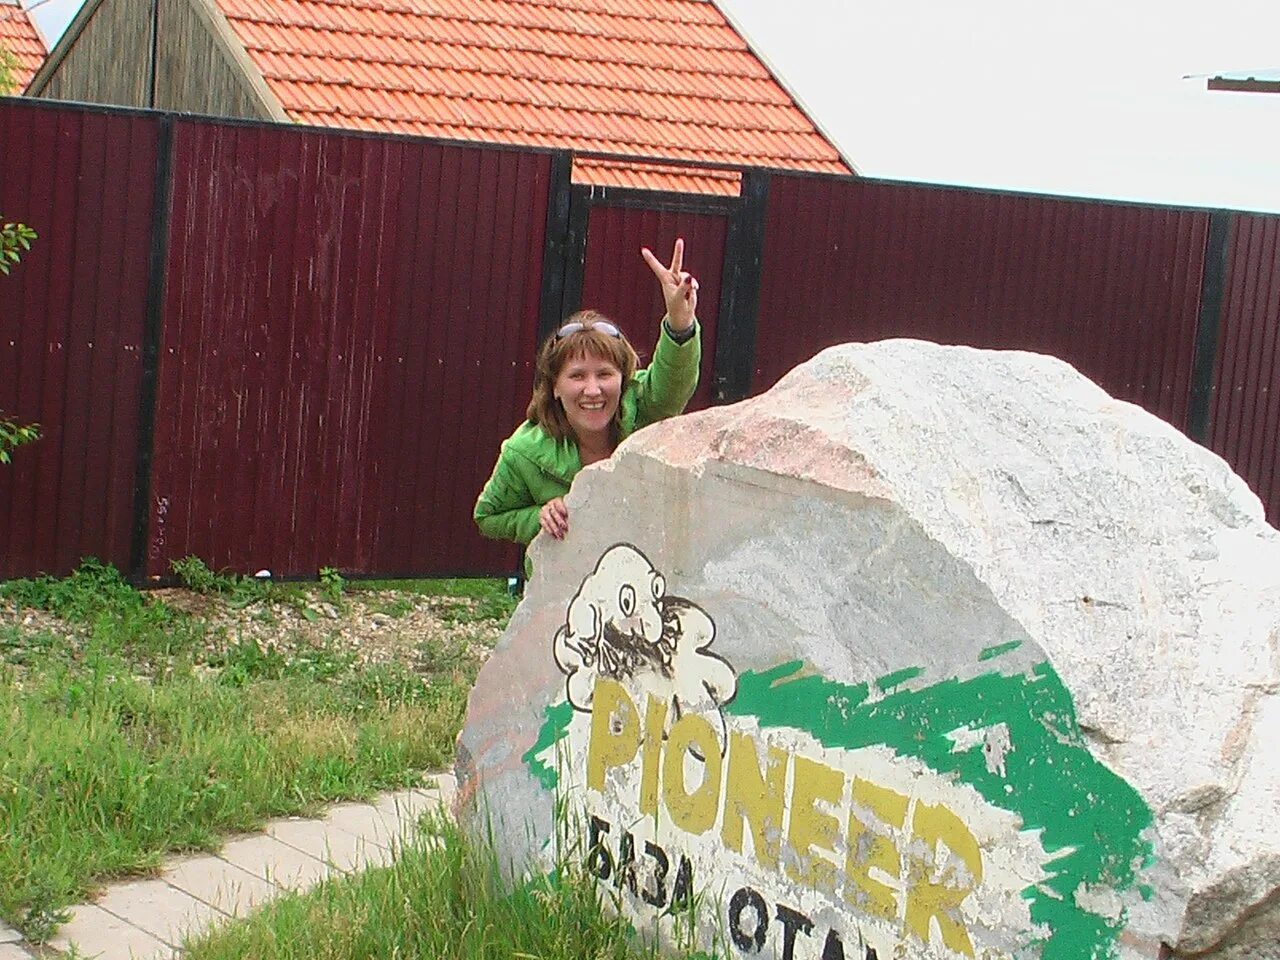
(554, 518)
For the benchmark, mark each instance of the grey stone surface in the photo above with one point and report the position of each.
(162, 910)
(904, 505)
(97, 933)
(444, 786)
(11, 950)
(8, 934)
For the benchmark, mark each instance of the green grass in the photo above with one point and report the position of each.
(470, 600)
(131, 732)
(445, 899)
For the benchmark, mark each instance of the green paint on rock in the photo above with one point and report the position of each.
(554, 729)
(1089, 816)
(891, 680)
(999, 649)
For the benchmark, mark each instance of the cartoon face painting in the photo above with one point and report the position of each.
(622, 625)
(614, 622)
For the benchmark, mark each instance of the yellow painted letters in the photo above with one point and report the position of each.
(757, 799)
(655, 718)
(927, 898)
(871, 846)
(809, 827)
(615, 732)
(692, 812)
(943, 862)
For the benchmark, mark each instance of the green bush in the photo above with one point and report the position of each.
(15, 240)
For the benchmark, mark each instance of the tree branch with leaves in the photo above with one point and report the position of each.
(8, 73)
(15, 240)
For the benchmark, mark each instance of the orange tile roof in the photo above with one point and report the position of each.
(649, 78)
(653, 176)
(19, 37)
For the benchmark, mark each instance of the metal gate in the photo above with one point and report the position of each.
(602, 268)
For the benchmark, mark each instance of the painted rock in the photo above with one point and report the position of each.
(927, 652)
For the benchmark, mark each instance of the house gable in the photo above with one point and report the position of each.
(106, 57)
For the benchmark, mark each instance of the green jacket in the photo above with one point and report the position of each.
(534, 468)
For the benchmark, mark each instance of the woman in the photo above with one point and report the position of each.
(587, 398)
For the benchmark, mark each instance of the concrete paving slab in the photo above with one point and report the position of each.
(365, 820)
(163, 911)
(220, 884)
(147, 919)
(11, 950)
(104, 936)
(406, 807)
(272, 860)
(445, 785)
(341, 850)
(8, 934)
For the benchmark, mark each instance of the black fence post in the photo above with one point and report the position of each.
(575, 255)
(157, 271)
(551, 307)
(740, 291)
(1204, 363)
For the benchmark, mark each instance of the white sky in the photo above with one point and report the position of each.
(1081, 97)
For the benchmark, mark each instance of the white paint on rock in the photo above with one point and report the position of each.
(994, 741)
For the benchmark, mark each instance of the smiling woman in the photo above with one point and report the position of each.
(588, 397)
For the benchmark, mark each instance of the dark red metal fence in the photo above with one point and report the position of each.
(1113, 289)
(348, 335)
(71, 331)
(283, 348)
(1246, 403)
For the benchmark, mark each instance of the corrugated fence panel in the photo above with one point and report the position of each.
(463, 342)
(349, 324)
(71, 331)
(1246, 399)
(617, 281)
(348, 328)
(1111, 288)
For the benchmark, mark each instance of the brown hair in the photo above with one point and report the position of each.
(555, 352)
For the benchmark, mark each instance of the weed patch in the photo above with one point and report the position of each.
(236, 591)
(143, 724)
(444, 897)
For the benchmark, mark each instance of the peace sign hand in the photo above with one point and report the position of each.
(679, 289)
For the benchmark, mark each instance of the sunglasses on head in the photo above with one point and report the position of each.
(604, 326)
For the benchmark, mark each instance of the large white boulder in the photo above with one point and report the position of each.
(926, 652)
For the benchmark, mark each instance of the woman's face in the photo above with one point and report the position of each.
(589, 388)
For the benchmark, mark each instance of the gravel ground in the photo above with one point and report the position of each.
(379, 626)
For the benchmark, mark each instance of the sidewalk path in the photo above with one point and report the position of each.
(147, 919)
